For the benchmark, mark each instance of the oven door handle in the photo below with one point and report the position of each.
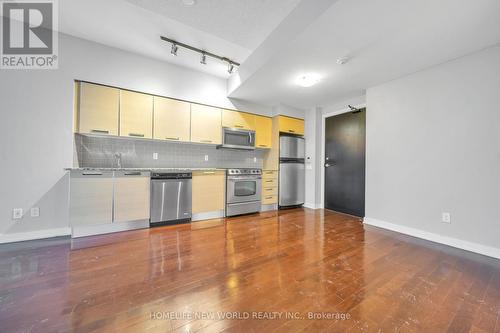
(243, 178)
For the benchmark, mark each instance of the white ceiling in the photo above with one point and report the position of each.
(226, 27)
(385, 39)
(243, 22)
(278, 40)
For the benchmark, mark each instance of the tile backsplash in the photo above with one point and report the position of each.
(99, 152)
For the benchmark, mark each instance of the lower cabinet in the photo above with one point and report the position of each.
(104, 202)
(269, 187)
(131, 196)
(91, 198)
(208, 194)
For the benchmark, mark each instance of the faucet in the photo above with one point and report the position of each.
(118, 160)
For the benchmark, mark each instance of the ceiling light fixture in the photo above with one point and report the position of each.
(232, 65)
(308, 80)
(342, 61)
(174, 49)
(189, 2)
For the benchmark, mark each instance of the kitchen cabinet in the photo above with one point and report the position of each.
(136, 114)
(263, 132)
(205, 124)
(235, 119)
(98, 109)
(291, 125)
(172, 119)
(131, 196)
(269, 187)
(208, 190)
(91, 198)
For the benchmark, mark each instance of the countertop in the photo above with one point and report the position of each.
(145, 169)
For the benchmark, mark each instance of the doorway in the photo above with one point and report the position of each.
(345, 163)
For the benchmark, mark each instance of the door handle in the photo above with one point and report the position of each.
(327, 165)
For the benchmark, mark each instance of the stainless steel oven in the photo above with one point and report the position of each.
(236, 138)
(243, 191)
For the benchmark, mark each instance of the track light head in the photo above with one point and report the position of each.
(174, 49)
(203, 59)
(230, 67)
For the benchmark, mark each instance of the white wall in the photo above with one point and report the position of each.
(433, 146)
(36, 110)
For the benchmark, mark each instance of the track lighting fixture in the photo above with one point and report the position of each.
(231, 65)
(174, 49)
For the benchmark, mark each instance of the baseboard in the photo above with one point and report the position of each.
(84, 231)
(208, 215)
(270, 207)
(32, 235)
(453, 242)
(312, 206)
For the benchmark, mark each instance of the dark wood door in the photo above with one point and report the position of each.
(345, 143)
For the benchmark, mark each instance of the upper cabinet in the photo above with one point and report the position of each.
(98, 109)
(235, 119)
(263, 132)
(136, 114)
(291, 125)
(206, 124)
(172, 119)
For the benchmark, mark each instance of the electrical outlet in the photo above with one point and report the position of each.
(35, 212)
(17, 213)
(155, 156)
(445, 217)
(206, 158)
(255, 159)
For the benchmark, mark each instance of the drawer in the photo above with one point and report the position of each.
(267, 191)
(267, 174)
(269, 199)
(269, 182)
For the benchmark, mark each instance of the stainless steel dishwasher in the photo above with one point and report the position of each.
(170, 198)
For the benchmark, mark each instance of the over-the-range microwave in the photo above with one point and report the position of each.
(237, 138)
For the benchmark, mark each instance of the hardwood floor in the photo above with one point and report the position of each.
(291, 263)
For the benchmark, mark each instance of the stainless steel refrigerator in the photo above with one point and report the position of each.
(292, 171)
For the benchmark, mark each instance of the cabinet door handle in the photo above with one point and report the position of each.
(99, 131)
(132, 174)
(238, 126)
(174, 139)
(206, 141)
(263, 146)
(291, 131)
(92, 174)
(136, 135)
(209, 172)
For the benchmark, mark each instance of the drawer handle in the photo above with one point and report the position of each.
(238, 126)
(269, 181)
(291, 131)
(175, 139)
(132, 174)
(206, 141)
(265, 146)
(269, 189)
(100, 131)
(136, 135)
(269, 198)
(92, 174)
(209, 172)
